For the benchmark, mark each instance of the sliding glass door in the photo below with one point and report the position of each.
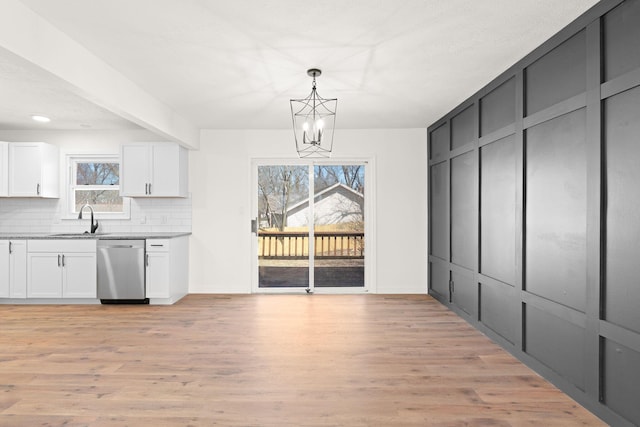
(309, 227)
(283, 242)
(338, 226)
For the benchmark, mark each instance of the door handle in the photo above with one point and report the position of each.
(147, 260)
(38, 189)
(63, 260)
(149, 188)
(146, 188)
(10, 249)
(254, 226)
(58, 260)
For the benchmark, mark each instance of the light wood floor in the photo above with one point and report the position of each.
(266, 360)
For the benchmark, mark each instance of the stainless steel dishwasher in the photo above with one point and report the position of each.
(121, 272)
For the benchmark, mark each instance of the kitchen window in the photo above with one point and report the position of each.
(95, 179)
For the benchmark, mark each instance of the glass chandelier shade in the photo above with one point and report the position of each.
(314, 119)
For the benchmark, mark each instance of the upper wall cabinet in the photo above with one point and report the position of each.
(33, 170)
(4, 169)
(154, 170)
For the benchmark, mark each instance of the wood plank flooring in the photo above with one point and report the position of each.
(266, 360)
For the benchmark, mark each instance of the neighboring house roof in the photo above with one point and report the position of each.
(337, 204)
(275, 202)
(324, 193)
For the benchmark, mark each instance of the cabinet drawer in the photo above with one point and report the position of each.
(62, 245)
(158, 245)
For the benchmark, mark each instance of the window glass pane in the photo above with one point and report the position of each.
(338, 221)
(94, 173)
(100, 200)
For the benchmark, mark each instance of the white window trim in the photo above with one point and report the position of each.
(68, 203)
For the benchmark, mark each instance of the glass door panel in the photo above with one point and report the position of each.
(338, 225)
(283, 230)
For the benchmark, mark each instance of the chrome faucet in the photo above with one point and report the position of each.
(94, 227)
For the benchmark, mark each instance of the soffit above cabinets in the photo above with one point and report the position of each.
(26, 90)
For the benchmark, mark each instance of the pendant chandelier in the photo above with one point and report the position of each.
(314, 119)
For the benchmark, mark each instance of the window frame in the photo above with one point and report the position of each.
(72, 161)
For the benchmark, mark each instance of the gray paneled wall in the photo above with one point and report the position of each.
(556, 210)
(462, 210)
(534, 210)
(497, 210)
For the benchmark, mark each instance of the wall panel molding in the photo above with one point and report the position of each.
(498, 134)
(564, 107)
(557, 325)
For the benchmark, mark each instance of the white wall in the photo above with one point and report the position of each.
(220, 175)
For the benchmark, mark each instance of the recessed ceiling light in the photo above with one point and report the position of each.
(41, 119)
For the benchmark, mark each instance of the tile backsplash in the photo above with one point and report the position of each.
(46, 216)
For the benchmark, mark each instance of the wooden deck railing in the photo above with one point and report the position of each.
(327, 244)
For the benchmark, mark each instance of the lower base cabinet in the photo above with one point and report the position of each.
(158, 271)
(45, 275)
(61, 269)
(166, 269)
(53, 269)
(13, 268)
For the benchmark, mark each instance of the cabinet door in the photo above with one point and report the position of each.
(134, 171)
(79, 275)
(4, 169)
(4, 268)
(49, 171)
(158, 275)
(18, 269)
(25, 163)
(165, 170)
(44, 275)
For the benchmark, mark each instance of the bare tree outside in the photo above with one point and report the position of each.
(98, 174)
(279, 187)
(350, 175)
(97, 184)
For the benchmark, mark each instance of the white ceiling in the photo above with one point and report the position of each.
(235, 64)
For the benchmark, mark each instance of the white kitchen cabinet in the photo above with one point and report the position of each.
(134, 170)
(167, 275)
(13, 269)
(33, 170)
(79, 275)
(44, 275)
(4, 269)
(153, 170)
(157, 274)
(4, 169)
(61, 269)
